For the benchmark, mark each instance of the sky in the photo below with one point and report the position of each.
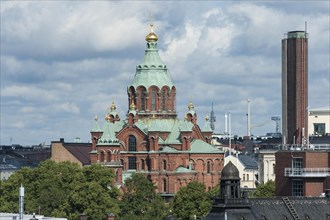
(63, 62)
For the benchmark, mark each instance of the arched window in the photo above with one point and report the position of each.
(164, 185)
(243, 177)
(142, 165)
(247, 177)
(102, 156)
(164, 100)
(131, 143)
(208, 167)
(153, 100)
(143, 101)
(164, 164)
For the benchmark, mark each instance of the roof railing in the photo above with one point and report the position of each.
(307, 172)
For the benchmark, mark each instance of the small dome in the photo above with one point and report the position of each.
(152, 36)
(230, 172)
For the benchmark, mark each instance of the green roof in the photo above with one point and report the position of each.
(199, 146)
(109, 133)
(182, 170)
(168, 149)
(96, 127)
(152, 71)
(207, 127)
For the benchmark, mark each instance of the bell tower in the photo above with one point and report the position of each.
(152, 90)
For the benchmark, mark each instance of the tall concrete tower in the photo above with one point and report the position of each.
(295, 88)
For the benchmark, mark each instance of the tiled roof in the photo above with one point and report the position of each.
(274, 209)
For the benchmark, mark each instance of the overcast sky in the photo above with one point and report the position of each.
(63, 62)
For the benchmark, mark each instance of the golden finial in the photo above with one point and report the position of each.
(107, 117)
(132, 106)
(206, 118)
(152, 36)
(191, 106)
(96, 118)
(113, 106)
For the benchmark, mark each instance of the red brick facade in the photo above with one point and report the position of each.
(314, 174)
(151, 139)
(295, 87)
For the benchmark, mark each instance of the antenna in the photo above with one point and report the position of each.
(305, 30)
(213, 119)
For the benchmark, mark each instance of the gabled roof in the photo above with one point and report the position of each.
(199, 146)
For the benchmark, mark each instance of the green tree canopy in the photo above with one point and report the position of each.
(140, 201)
(266, 190)
(62, 190)
(192, 200)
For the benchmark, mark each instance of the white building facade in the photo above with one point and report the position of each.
(319, 122)
(266, 165)
(247, 174)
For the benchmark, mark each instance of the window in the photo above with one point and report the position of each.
(243, 177)
(273, 168)
(142, 165)
(153, 100)
(208, 167)
(247, 177)
(297, 165)
(132, 163)
(102, 156)
(143, 101)
(297, 188)
(131, 143)
(164, 185)
(164, 100)
(319, 128)
(164, 164)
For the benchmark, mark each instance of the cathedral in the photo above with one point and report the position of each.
(151, 140)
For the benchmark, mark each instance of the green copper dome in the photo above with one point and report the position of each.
(152, 71)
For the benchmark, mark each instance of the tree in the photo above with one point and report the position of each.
(266, 190)
(62, 190)
(192, 200)
(140, 201)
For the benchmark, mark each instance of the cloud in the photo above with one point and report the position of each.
(62, 63)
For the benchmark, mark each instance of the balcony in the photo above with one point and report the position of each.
(307, 172)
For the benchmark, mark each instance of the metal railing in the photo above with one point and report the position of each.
(297, 147)
(307, 172)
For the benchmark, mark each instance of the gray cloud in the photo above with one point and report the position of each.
(64, 62)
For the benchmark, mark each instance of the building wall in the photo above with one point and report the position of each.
(248, 179)
(266, 165)
(321, 116)
(60, 154)
(312, 185)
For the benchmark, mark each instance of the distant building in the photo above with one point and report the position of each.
(266, 165)
(319, 122)
(302, 172)
(295, 87)
(74, 152)
(233, 203)
(247, 167)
